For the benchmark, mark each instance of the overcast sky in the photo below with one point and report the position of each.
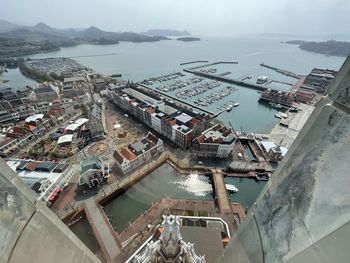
(200, 17)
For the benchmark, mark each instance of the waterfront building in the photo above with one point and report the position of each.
(46, 179)
(178, 124)
(274, 152)
(319, 79)
(278, 97)
(217, 141)
(134, 155)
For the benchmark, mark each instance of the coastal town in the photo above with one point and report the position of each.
(79, 139)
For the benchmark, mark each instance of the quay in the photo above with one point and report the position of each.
(221, 191)
(214, 63)
(195, 61)
(227, 80)
(102, 230)
(179, 100)
(282, 71)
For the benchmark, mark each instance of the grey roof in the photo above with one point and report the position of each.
(183, 117)
(207, 241)
(138, 146)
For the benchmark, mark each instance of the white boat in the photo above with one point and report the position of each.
(236, 104)
(262, 80)
(231, 188)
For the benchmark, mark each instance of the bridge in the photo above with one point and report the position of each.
(102, 231)
(221, 192)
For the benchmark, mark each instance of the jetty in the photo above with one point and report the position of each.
(94, 55)
(193, 62)
(282, 71)
(227, 80)
(214, 63)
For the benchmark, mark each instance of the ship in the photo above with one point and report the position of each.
(262, 80)
(231, 188)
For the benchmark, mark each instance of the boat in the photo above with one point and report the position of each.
(229, 108)
(281, 115)
(231, 188)
(276, 105)
(236, 104)
(262, 80)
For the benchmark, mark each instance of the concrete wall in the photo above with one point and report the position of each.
(30, 231)
(303, 213)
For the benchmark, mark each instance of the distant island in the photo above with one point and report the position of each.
(330, 47)
(17, 40)
(166, 33)
(188, 39)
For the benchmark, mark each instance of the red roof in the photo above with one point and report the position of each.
(128, 154)
(32, 166)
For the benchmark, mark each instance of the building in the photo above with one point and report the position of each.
(134, 155)
(46, 179)
(100, 84)
(46, 92)
(319, 79)
(178, 124)
(277, 97)
(97, 122)
(73, 87)
(8, 146)
(217, 141)
(93, 172)
(274, 152)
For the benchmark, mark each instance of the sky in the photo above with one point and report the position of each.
(200, 17)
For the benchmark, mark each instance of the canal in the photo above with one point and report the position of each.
(83, 231)
(167, 182)
(249, 189)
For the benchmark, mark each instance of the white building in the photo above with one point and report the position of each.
(136, 154)
(217, 141)
(47, 179)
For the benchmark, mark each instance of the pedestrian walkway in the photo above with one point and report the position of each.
(102, 230)
(221, 192)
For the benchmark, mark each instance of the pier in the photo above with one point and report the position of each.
(101, 229)
(282, 71)
(227, 80)
(179, 100)
(221, 192)
(192, 62)
(212, 64)
(94, 55)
